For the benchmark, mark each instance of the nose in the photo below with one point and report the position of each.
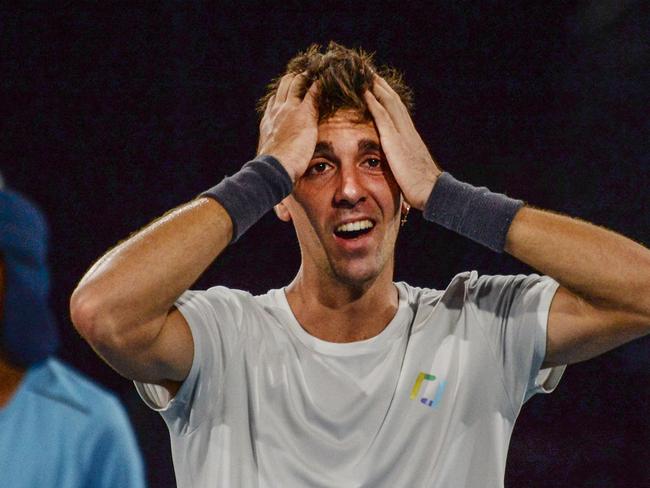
(350, 189)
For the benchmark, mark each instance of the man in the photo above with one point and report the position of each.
(345, 378)
(57, 429)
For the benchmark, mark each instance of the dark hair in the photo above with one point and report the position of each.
(344, 75)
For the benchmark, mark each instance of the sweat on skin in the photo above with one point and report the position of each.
(343, 291)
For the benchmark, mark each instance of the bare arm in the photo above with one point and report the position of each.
(604, 297)
(123, 306)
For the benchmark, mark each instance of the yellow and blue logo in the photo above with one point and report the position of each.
(437, 394)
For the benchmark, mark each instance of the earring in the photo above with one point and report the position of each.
(405, 215)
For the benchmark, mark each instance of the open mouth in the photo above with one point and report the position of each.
(352, 230)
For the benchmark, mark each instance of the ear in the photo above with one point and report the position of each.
(282, 212)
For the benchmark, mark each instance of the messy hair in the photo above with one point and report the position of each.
(344, 75)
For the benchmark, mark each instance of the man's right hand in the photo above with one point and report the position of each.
(289, 127)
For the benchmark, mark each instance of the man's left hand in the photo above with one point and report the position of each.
(408, 157)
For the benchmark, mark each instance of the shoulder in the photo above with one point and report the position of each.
(231, 314)
(236, 302)
(497, 290)
(477, 285)
(214, 295)
(457, 288)
(472, 288)
(217, 297)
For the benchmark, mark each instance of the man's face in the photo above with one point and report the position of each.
(346, 207)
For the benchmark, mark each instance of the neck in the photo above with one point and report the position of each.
(10, 378)
(341, 312)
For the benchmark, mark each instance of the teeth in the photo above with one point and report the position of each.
(352, 226)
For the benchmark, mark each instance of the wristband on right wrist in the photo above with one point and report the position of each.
(251, 192)
(473, 212)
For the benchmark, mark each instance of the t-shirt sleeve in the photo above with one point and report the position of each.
(513, 311)
(214, 317)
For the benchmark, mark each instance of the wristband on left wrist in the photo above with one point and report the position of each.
(251, 192)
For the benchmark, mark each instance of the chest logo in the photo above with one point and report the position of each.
(434, 391)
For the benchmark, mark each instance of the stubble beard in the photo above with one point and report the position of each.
(342, 270)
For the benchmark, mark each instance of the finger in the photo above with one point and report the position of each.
(379, 113)
(393, 104)
(297, 84)
(390, 110)
(267, 111)
(388, 134)
(269, 105)
(311, 97)
(382, 95)
(384, 84)
(283, 87)
(390, 93)
(312, 93)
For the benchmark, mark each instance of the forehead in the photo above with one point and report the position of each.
(345, 128)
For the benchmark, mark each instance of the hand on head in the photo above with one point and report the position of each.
(289, 127)
(289, 132)
(408, 157)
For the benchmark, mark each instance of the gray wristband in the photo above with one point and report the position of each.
(473, 212)
(251, 192)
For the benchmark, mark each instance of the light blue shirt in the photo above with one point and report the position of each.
(60, 430)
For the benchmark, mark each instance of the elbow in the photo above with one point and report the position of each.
(646, 329)
(641, 304)
(89, 317)
(646, 299)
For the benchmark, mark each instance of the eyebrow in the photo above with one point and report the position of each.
(326, 149)
(368, 145)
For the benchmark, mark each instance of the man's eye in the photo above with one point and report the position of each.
(374, 162)
(318, 168)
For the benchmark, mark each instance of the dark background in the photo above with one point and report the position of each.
(115, 113)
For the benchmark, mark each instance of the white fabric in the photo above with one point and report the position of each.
(268, 405)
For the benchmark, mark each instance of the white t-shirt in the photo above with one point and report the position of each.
(430, 401)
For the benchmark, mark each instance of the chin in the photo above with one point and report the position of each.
(356, 274)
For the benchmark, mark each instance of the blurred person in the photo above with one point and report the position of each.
(344, 377)
(57, 428)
